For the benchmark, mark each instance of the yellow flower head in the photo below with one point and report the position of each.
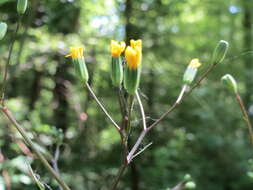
(117, 47)
(76, 52)
(194, 63)
(133, 54)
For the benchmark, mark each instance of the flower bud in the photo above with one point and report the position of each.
(21, 6)
(220, 52)
(190, 185)
(187, 177)
(191, 71)
(229, 81)
(76, 53)
(3, 30)
(132, 70)
(250, 174)
(116, 66)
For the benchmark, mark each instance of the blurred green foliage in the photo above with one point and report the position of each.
(205, 137)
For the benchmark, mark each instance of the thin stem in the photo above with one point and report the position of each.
(142, 111)
(178, 101)
(130, 109)
(135, 147)
(101, 106)
(121, 103)
(119, 175)
(20, 129)
(183, 96)
(245, 115)
(201, 79)
(142, 150)
(8, 61)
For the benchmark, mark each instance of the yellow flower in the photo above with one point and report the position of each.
(76, 52)
(194, 63)
(133, 54)
(117, 47)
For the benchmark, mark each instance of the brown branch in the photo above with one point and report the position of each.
(245, 115)
(101, 106)
(20, 129)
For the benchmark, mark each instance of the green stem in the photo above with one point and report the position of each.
(121, 103)
(20, 129)
(8, 61)
(130, 109)
(245, 115)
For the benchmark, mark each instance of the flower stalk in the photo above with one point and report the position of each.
(245, 115)
(8, 62)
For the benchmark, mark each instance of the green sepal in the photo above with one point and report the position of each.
(220, 52)
(189, 75)
(116, 71)
(229, 81)
(81, 69)
(21, 6)
(3, 30)
(132, 79)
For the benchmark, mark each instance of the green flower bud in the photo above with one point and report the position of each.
(187, 177)
(190, 185)
(229, 82)
(81, 69)
(3, 30)
(21, 6)
(220, 52)
(191, 71)
(76, 53)
(116, 71)
(132, 79)
(250, 174)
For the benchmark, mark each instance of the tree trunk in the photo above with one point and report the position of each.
(61, 95)
(247, 44)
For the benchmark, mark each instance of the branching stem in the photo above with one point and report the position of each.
(181, 97)
(20, 129)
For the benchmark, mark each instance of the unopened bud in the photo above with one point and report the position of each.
(220, 52)
(190, 185)
(229, 82)
(187, 177)
(250, 174)
(3, 30)
(21, 6)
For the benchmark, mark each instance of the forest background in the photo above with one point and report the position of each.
(205, 137)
